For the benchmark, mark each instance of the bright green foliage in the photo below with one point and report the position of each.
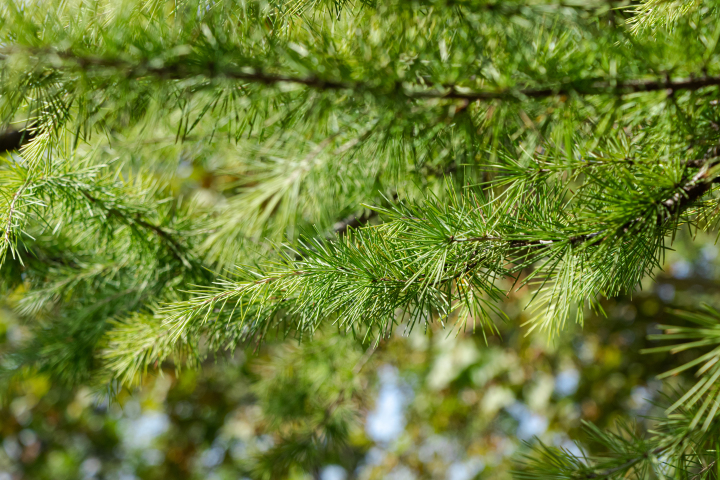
(554, 145)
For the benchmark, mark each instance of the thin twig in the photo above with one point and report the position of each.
(168, 238)
(11, 211)
(624, 466)
(705, 469)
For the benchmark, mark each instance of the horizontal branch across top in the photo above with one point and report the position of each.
(183, 70)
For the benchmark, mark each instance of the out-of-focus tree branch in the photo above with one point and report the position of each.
(12, 139)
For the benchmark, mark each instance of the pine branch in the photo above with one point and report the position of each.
(72, 186)
(690, 191)
(137, 220)
(617, 87)
(518, 7)
(425, 261)
(625, 466)
(566, 466)
(11, 213)
(416, 96)
(182, 70)
(626, 452)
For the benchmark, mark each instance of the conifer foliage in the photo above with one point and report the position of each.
(376, 162)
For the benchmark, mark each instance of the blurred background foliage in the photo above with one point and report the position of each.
(439, 404)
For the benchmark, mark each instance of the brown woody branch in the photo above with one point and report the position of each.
(183, 70)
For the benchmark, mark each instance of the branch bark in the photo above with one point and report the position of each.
(183, 70)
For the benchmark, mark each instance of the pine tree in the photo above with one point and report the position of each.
(406, 161)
